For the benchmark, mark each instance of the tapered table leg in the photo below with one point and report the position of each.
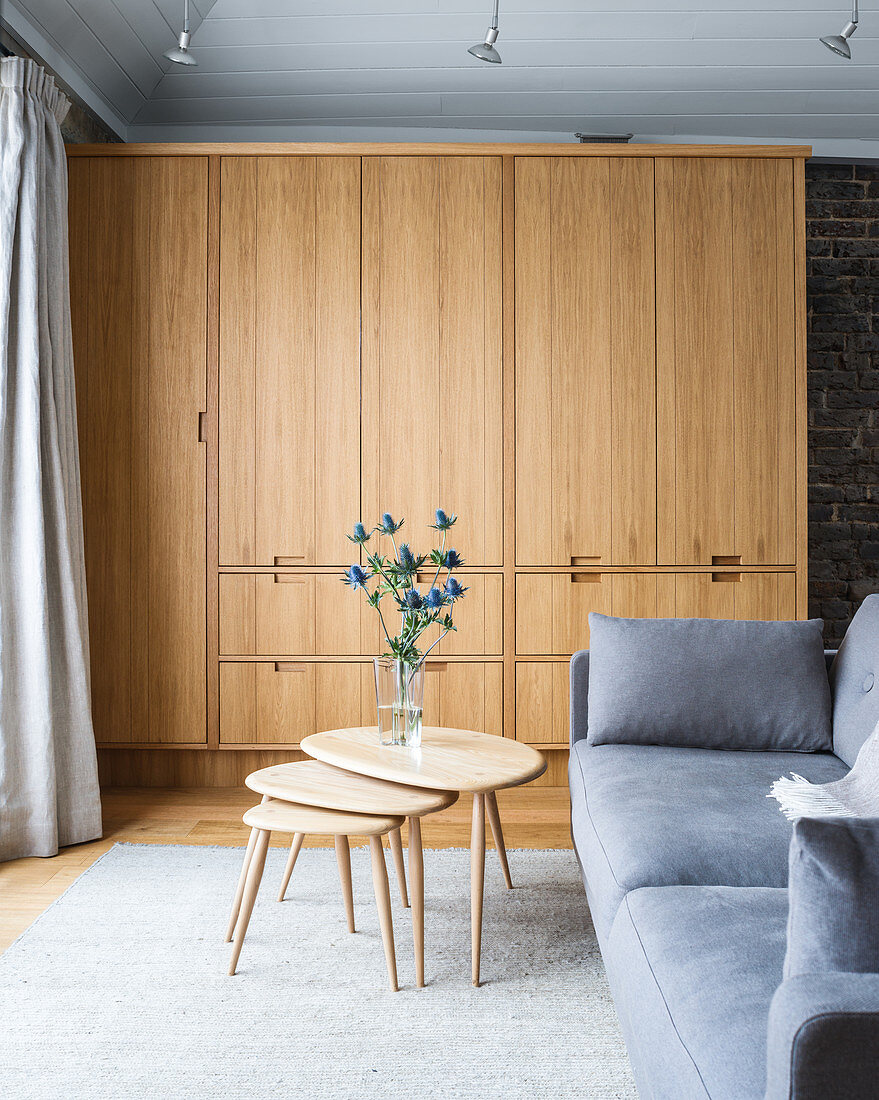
(477, 882)
(416, 882)
(396, 842)
(254, 877)
(383, 904)
(239, 890)
(343, 858)
(494, 819)
(291, 863)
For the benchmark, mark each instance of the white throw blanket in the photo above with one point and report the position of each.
(855, 795)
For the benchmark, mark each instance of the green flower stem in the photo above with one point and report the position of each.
(439, 567)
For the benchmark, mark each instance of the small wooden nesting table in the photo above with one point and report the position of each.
(448, 760)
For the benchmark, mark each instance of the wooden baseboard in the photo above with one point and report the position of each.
(177, 768)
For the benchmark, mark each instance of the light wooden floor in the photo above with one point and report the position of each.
(532, 817)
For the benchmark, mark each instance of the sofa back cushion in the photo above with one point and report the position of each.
(832, 896)
(854, 681)
(708, 683)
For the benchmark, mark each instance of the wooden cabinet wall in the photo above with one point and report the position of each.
(595, 356)
(138, 273)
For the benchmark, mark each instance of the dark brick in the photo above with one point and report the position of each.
(839, 190)
(816, 171)
(866, 172)
(836, 266)
(846, 323)
(853, 248)
(828, 227)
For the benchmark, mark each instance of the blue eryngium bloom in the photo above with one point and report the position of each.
(405, 557)
(434, 599)
(454, 591)
(443, 521)
(452, 560)
(413, 599)
(387, 525)
(360, 535)
(355, 577)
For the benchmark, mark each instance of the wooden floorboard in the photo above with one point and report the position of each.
(533, 817)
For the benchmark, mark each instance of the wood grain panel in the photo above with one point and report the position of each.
(176, 459)
(552, 610)
(726, 361)
(290, 360)
(432, 370)
(266, 703)
(585, 401)
(465, 695)
(542, 702)
(138, 258)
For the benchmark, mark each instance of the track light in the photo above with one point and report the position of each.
(839, 42)
(180, 54)
(485, 51)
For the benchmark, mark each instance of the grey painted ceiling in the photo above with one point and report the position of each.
(288, 69)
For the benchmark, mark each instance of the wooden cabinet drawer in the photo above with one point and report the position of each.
(465, 695)
(478, 620)
(279, 703)
(552, 609)
(272, 614)
(542, 695)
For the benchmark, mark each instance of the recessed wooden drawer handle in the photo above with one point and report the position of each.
(289, 578)
(588, 559)
(585, 578)
(726, 559)
(202, 417)
(289, 666)
(291, 559)
(729, 578)
(436, 666)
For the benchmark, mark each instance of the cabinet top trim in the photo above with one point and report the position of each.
(414, 149)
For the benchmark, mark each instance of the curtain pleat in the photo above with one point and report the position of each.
(49, 793)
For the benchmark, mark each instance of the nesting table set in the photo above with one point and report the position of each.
(355, 786)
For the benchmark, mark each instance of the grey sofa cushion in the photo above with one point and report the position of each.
(644, 815)
(693, 971)
(854, 680)
(834, 894)
(708, 683)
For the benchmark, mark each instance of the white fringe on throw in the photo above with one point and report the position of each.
(855, 795)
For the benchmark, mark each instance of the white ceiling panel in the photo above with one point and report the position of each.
(716, 69)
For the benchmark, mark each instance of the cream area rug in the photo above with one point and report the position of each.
(119, 990)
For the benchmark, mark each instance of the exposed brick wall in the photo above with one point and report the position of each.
(842, 245)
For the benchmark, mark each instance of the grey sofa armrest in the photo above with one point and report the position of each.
(579, 695)
(829, 654)
(823, 1039)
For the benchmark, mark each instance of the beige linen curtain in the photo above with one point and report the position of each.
(48, 771)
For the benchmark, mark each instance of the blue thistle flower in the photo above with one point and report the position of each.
(387, 525)
(360, 535)
(434, 599)
(453, 561)
(443, 521)
(405, 558)
(454, 591)
(355, 577)
(413, 599)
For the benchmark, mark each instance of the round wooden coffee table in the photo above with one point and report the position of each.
(448, 760)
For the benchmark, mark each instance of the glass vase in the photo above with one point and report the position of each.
(399, 694)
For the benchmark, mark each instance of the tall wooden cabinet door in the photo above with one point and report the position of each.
(585, 387)
(725, 360)
(289, 359)
(432, 370)
(139, 293)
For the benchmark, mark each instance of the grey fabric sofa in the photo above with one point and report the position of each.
(685, 864)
